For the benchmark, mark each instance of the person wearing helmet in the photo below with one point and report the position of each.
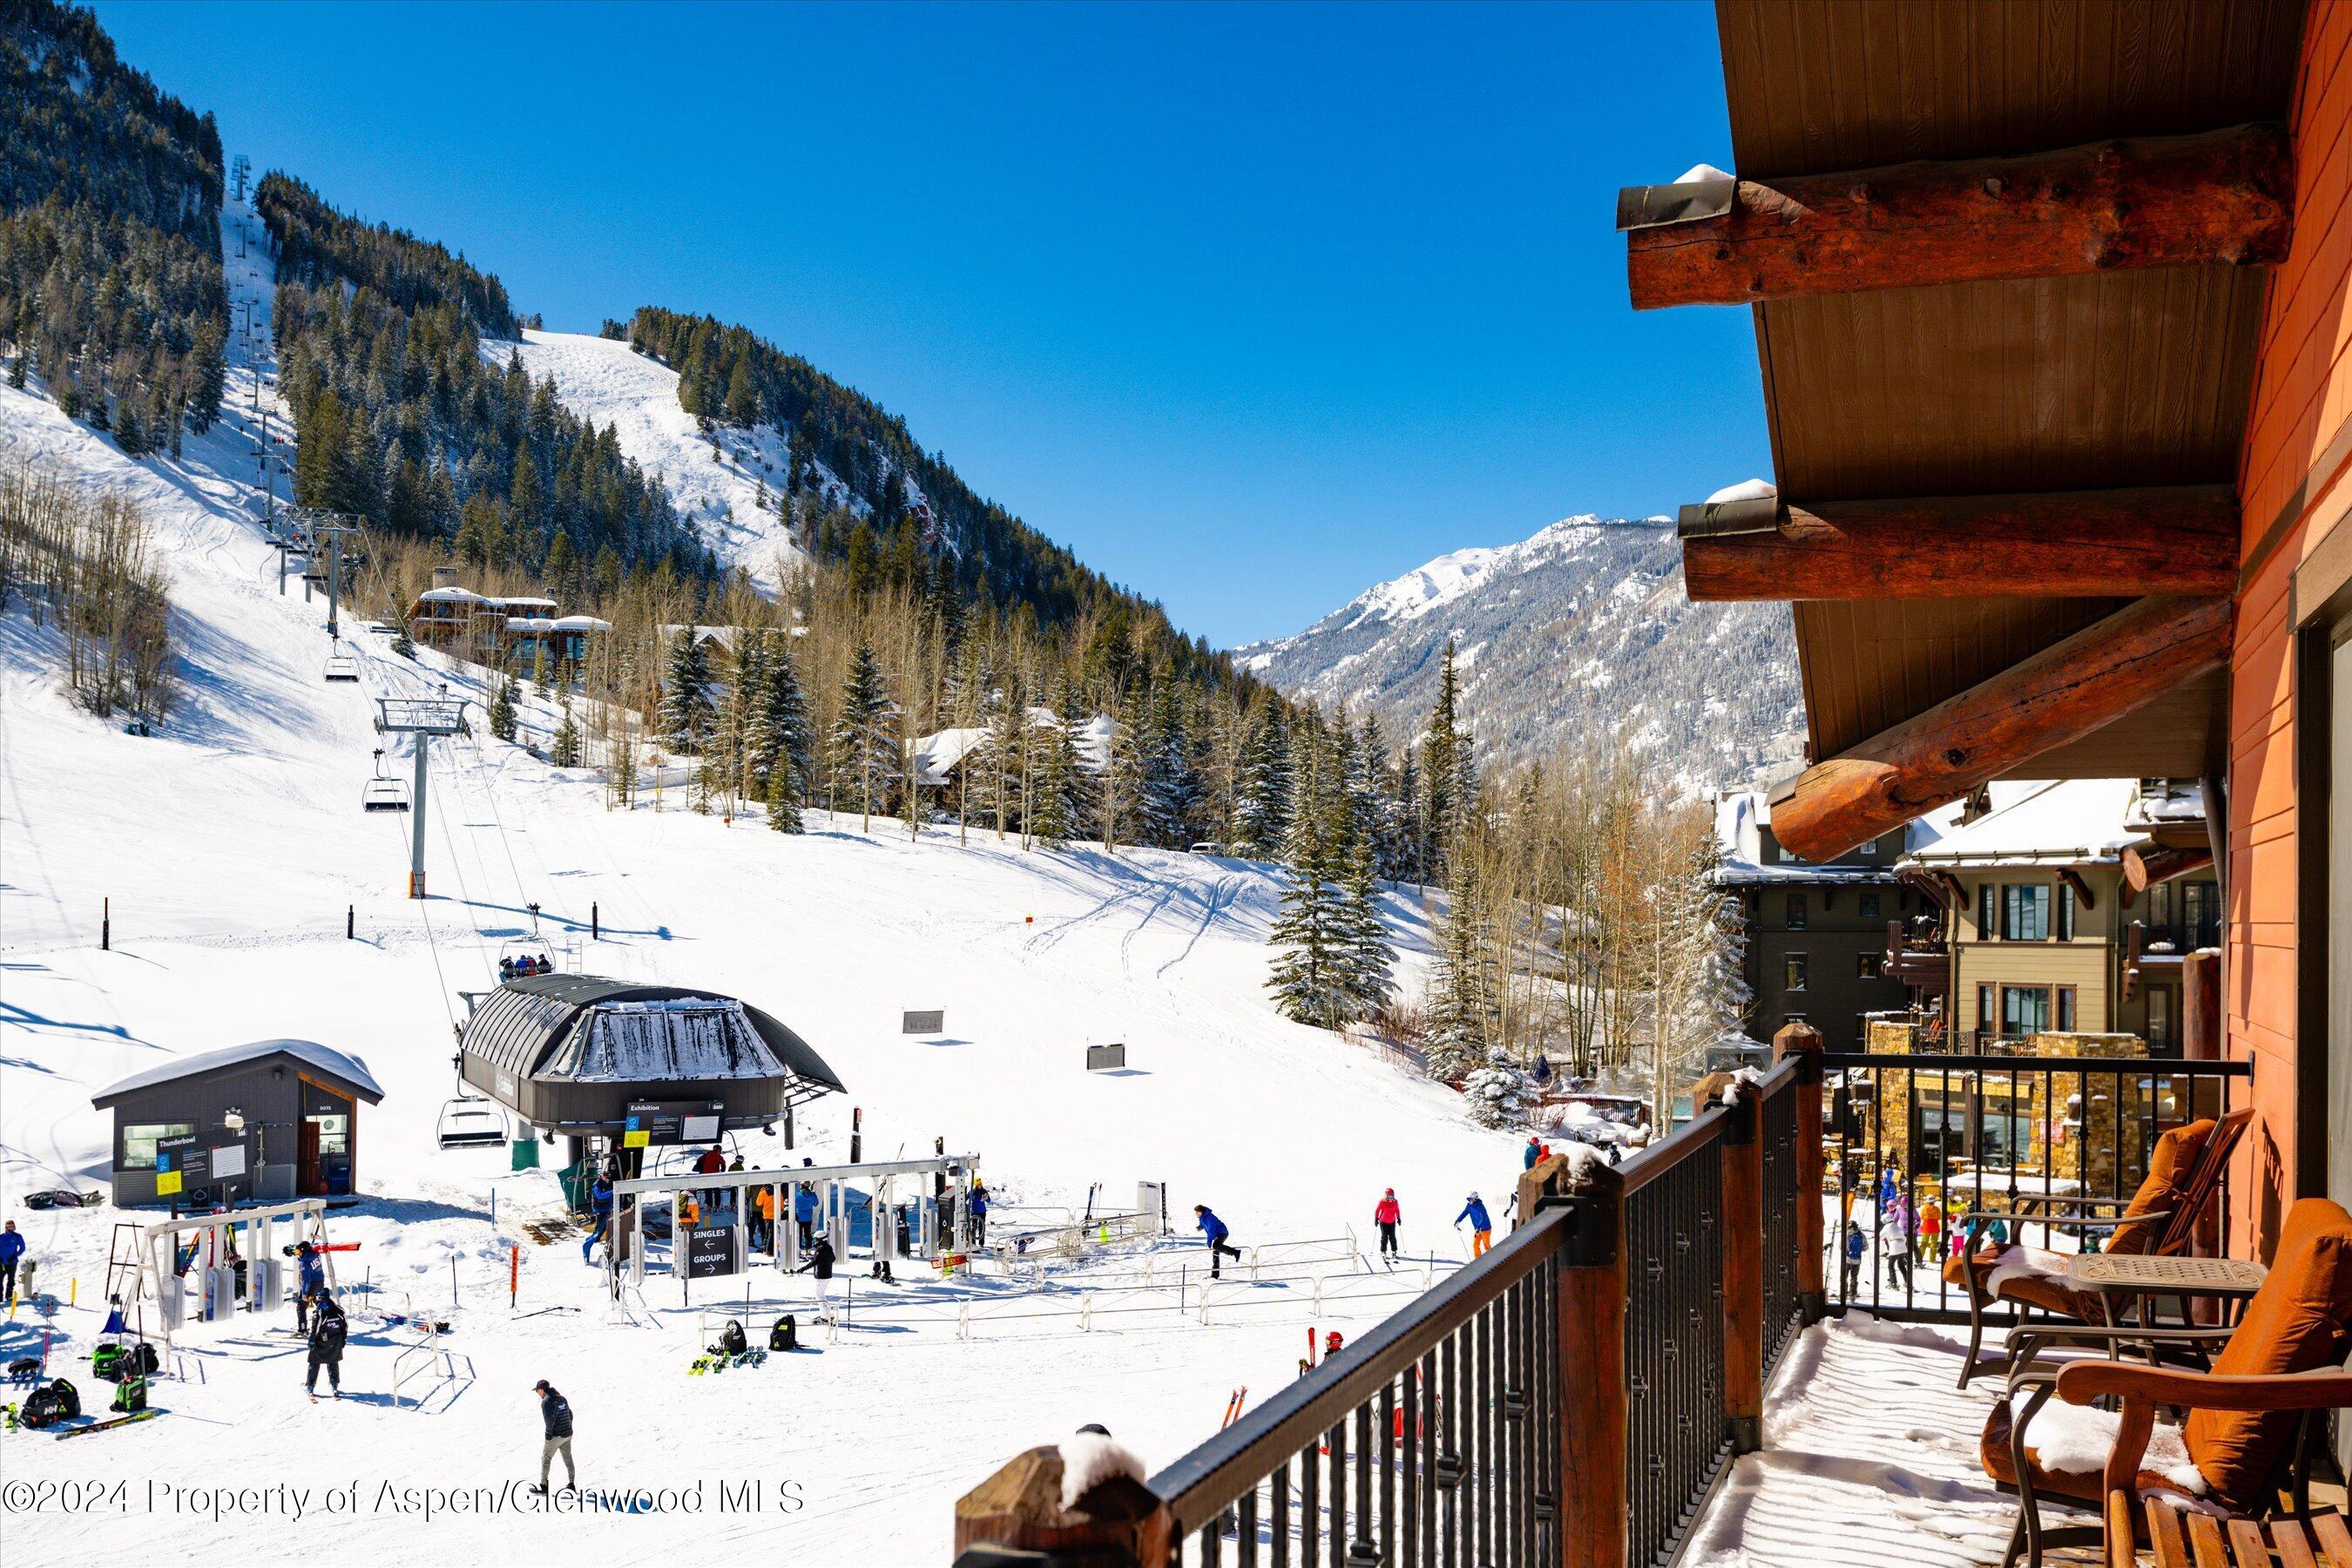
(1385, 1214)
(1482, 1228)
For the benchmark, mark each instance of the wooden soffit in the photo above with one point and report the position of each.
(2086, 382)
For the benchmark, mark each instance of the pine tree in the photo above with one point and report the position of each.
(502, 709)
(1308, 975)
(565, 751)
(685, 711)
(1122, 780)
(403, 644)
(748, 748)
(783, 724)
(1462, 994)
(783, 795)
(865, 738)
(1171, 789)
(1499, 1092)
(742, 396)
(1262, 814)
(1054, 806)
(1367, 979)
(1444, 755)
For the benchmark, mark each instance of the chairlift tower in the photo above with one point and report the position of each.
(331, 527)
(425, 718)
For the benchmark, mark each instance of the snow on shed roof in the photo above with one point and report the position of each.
(340, 1064)
(938, 756)
(2073, 822)
(1742, 815)
(450, 595)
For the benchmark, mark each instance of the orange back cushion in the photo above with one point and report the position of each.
(2300, 1320)
(2170, 1166)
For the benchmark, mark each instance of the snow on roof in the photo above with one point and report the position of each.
(1698, 172)
(2167, 802)
(448, 595)
(1742, 815)
(340, 1064)
(579, 623)
(2073, 822)
(938, 756)
(1746, 489)
(525, 599)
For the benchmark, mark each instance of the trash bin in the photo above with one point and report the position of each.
(523, 1154)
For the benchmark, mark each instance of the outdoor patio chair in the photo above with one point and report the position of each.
(2254, 1420)
(2183, 1181)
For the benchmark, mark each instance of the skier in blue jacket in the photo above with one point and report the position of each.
(1219, 1249)
(310, 1284)
(1482, 1229)
(12, 1251)
(804, 1214)
(600, 1204)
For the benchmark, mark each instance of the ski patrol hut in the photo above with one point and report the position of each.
(576, 1055)
(271, 1119)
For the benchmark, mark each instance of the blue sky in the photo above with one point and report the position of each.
(1252, 306)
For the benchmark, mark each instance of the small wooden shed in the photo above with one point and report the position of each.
(293, 1105)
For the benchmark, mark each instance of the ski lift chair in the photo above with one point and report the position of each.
(342, 667)
(382, 793)
(470, 1122)
(521, 960)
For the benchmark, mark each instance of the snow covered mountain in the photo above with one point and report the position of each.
(1579, 633)
(726, 485)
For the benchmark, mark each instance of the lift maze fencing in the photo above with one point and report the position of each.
(1027, 1271)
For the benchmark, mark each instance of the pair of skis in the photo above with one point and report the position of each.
(109, 1423)
(703, 1363)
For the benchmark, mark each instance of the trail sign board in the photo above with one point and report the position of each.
(666, 1123)
(922, 1022)
(192, 1160)
(1105, 1058)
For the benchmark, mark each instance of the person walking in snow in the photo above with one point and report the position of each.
(12, 1252)
(820, 1266)
(309, 1283)
(1897, 1245)
(1385, 1214)
(600, 1204)
(1218, 1237)
(555, 1429)
(1855, 1247)
(1482, 1228)
(329, 1333)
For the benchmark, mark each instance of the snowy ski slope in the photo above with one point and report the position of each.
(231, 848)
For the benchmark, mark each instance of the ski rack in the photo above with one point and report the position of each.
(157, 1276)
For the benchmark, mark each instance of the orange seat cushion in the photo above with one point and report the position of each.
(2164, 1188)
(2000, 1462)
(2300, 1320)
(2031, 1290)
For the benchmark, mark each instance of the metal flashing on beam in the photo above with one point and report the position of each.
(1652, 206)
(1720, 519)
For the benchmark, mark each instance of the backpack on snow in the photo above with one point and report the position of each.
(732, 1340)
(49, 1405)
(131, 1395)
(108, 1362)
(145, 1359)
(328, 1338)
(785, 1335)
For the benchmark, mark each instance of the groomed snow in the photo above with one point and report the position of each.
(232, 847)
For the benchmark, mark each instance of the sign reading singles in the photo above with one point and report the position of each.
(710, 1252)
(666, 1123)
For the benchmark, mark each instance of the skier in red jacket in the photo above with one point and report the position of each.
(1385, 1215)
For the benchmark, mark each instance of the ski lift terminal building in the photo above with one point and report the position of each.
(571, 1053)
(291, 1105)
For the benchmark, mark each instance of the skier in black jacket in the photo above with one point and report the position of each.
(555, 1422)
(328, 1333)
(820, 1263)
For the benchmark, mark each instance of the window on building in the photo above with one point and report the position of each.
(1988, 914)
(2160, 1041)
(2065, 1009)
(2066, 913)
(335, 1134)
(1870, 905)
(1984, 1007)
(2025, 912)
(1869, 850)
(2025, 1010)
(1796, 911)
(2200, 915)
(1873, 966)
(1792, 972)
(139, 1142)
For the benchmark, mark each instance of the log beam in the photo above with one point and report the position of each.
(2144, 868)
(2217, 197)
(2075, 879)
(2057, 696)
(2171, 539)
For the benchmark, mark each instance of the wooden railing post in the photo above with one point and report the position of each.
(1591, 1362)
(1016, 1516)
(1804, 1042)
(1743, 1267)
